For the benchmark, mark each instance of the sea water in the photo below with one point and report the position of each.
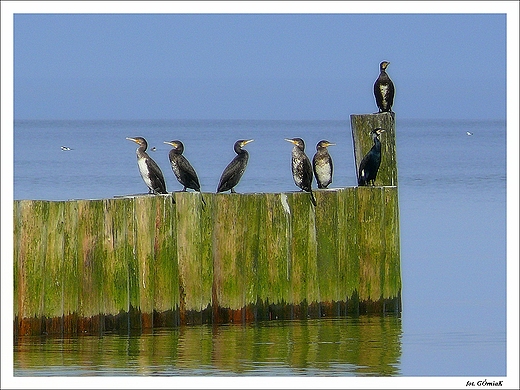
(452, 198)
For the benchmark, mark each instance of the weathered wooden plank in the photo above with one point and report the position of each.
(327, 244)
(206, 256)
(32, 265)
(371, 242)
(166, 294)
(145, 219)
(228, 230)
(117, 214)
(348, 249)
(252, 249)
(71, 272)
(275, 272)
(392, 268)
(91, 255)
(304, 279)
(17, 293)
(134, 313)
(53, 270)
(361, 126)
(191, 227)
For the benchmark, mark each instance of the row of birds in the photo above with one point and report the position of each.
(302, 169)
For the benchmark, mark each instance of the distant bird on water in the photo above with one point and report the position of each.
(65, 148)
(322, 164)
(150, 171)
(236, 168)
(182, 168)
(370, 163)
(469, 133)
(301, 167)
(384, 89)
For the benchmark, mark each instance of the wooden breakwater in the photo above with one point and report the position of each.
(146, 261)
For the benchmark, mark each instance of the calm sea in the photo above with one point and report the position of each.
(452, 195)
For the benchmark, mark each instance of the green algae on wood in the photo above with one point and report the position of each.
(91, 256)
(166, 293)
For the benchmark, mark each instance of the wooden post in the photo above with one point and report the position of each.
(362, 125)
(378, 238)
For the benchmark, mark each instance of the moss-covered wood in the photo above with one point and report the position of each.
(243, 256)
(144, 261)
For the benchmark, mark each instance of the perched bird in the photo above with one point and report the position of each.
(301, 167)
(182, 168)
(150, 171)
(322, 164)
(370, 163)
(384, 89)
(236, 168)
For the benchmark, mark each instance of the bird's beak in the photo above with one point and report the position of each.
(330, 144)
(168, 143)
(131, 139)
(290, 140)
(247, 141)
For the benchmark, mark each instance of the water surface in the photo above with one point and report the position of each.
(452, 197)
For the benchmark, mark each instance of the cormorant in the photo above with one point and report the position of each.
(322, 164)
(150, 171)
(370, 163)
(182, 168)
(235, 169)
(301, 167)
(384, 89)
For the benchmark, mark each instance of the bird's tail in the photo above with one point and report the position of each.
(203, 201)
(313, 199)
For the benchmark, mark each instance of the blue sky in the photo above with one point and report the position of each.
(256, 66)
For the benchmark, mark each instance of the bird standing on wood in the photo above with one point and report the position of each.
(301, 167)
(384, 89)
(182, 168)
(236, 168)
(372, 160)
(322, 164)
(150, 171)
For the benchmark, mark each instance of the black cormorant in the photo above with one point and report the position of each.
(384, 89)
(370, 163)
(322, 164)
(235, 169)
(182, 168)
(150, 171)
(301, 167)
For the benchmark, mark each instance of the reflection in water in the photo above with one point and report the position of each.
(366, 345)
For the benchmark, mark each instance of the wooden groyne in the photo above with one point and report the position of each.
(146, 261)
